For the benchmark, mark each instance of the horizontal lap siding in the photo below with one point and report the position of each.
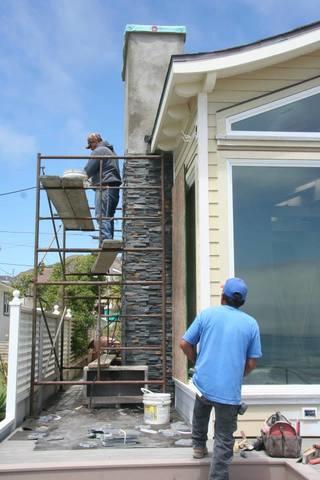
(24, 353)
(229, 92)
(43, 348)
(48, 358)
(4, 352)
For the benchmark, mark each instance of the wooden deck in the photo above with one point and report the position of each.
(18, 461)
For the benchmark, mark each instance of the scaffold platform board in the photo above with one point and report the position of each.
(107, 255)
(105, 361)
(70, 201)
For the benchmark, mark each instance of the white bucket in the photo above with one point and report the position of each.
(75, 173)
(156, 407)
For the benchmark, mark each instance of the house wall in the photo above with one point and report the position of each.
(184, 170)
(229, 92)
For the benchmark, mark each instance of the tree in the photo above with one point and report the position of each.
(23, 283)
(83, 309)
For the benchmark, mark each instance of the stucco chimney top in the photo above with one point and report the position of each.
(150, 29)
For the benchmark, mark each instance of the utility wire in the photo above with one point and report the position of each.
(5, 271)
(43, 233)
(16, 264)
(52, 241)
(17, 191)
(15, 245)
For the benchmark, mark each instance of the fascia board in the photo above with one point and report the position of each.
(254, 58)
(163, 107)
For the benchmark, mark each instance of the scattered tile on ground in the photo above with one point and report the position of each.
(67, 424)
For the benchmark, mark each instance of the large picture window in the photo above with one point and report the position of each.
(276, 218)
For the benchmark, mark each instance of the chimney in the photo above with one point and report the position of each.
(146, 56)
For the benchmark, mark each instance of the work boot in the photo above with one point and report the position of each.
(200, 452)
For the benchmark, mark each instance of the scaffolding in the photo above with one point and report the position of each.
(68, 211)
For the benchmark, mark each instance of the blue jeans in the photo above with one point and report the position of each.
(106, 202)
(224, 427)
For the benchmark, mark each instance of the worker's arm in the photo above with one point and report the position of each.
(92, 167)
(251, 364)
(189, 350)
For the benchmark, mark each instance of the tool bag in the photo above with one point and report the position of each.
(280, 438)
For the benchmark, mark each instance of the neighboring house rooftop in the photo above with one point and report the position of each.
(6, 278)
(191, 74)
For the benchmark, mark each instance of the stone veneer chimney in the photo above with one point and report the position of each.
(147, 53)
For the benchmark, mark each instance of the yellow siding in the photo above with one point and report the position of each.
(229, 92)
(252, 421)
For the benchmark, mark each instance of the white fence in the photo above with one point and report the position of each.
(19, 359)
(4, 351)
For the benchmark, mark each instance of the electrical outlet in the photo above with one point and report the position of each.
(309, 413)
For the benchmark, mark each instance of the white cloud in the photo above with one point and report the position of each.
(14, 146)
(56, 43)
(86, 33)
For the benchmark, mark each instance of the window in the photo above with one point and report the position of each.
(6, 299)
(276, 219)
(296, 115)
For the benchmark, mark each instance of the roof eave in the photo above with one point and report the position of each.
(230, 64)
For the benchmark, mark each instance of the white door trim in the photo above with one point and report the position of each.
(202, 176)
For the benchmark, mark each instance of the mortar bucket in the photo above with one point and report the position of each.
(156, 407)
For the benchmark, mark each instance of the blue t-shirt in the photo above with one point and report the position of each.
(227, 337)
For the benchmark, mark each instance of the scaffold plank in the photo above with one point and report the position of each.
(105, 361)
(71, 204)
(105, 258)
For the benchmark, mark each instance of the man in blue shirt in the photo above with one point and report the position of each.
(228, 345)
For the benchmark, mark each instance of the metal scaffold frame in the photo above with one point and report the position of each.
(107, 279)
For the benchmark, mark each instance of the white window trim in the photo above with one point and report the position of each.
(266, 108)
(282, 393)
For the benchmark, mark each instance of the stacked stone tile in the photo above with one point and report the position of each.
(138, 299)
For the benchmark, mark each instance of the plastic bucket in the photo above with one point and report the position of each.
(156, 407)
(75, 173)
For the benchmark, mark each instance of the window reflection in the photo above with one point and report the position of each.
(277, 251)
(299, 116)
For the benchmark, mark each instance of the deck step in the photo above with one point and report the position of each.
(144, 464)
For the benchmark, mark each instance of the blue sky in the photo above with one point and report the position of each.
(60, 78)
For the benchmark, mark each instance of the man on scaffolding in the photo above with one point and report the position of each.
(106, 199)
